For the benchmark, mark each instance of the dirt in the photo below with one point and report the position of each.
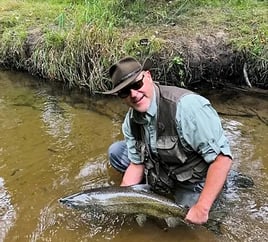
(210, 61)
(207, 60)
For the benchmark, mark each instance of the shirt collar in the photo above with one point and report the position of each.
(153, 107)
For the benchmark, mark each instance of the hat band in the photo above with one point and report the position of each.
(129, 75)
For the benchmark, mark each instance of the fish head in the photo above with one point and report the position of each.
(78, 200)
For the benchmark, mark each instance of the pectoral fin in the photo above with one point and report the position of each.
(172, 222)
(141, 219)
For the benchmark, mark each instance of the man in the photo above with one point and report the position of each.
(173, 140)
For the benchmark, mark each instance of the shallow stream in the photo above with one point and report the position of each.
(54, 142)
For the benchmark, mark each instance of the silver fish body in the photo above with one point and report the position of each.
(138, 199)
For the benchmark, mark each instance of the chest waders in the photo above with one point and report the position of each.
(173, 164)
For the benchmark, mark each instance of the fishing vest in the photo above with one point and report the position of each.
(173, 163)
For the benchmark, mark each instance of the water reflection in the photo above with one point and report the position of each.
(57, 121)
(7, 211)
(52, 145)
(77, 224)
(94, 173)
(247, 207)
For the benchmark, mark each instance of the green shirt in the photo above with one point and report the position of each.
(198, 126)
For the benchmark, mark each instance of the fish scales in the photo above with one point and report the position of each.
(137, 199)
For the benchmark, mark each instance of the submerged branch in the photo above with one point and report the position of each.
(259, 117)
(245, 114)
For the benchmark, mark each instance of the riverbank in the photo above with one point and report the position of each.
(192, 43)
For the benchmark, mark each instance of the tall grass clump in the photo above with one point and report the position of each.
(12, 48)
(79, 60)
(74, 45)
(75, 41)
(249, 36)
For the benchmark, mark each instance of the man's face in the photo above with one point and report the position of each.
(141, 99)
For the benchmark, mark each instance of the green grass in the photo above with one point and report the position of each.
(76, 41)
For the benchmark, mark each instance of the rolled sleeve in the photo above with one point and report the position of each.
(133, 154)
(200, 128)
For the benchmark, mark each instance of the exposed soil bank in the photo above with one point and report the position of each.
(201, 61)
(191, 43)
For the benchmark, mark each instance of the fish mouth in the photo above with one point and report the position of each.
(61, 200)
(66, 203)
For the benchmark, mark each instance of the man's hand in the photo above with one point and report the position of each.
(197, 215)
(216, 176)
(133, 175)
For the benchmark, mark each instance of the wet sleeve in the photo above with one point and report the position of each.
(133, 154)
(200, 128)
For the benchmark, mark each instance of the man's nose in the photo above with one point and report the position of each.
(133, 93)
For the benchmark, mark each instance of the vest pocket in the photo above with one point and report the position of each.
(160, 181)
(185, 175)
(169, 150)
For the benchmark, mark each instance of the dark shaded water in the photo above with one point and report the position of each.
(54, 143)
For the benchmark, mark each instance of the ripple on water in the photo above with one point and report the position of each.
(7, 211)
(94, 173)
(57, 122)
(56, 220)
(246, 207)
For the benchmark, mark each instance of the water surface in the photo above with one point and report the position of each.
(54, 142)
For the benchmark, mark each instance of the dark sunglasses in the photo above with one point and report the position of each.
(135, 86)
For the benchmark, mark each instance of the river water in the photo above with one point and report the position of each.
(54, 142)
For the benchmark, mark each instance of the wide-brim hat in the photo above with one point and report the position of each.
(125, 72)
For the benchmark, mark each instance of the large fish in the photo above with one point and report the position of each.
(135, 200)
